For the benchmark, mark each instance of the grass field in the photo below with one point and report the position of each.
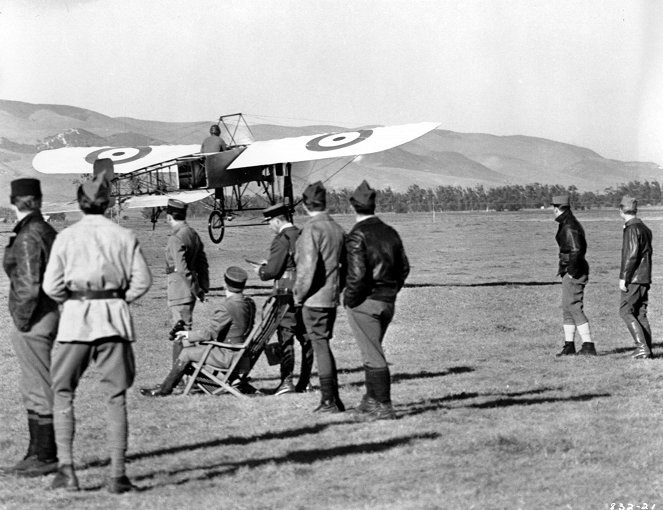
(489, 418)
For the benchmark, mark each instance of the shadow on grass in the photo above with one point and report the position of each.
(507, 400)
(300, 457)
(226, 441)
(398, 378)
(482, 284)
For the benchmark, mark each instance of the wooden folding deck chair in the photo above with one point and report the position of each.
(214, 380)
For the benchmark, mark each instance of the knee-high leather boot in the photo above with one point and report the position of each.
(306, 367)
(46, 460)
(642, 350)
(166, 388)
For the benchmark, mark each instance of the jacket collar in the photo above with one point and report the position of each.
(632, 221)
(33, 216)
(566, 215)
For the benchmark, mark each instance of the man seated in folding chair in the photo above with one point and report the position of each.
(231, 324)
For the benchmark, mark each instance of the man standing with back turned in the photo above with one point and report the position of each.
(574, 270)
(35, 318)
(319, 257)
(376, 270)
(635, 277)
(96, 269)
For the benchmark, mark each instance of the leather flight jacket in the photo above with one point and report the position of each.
(572, 246)
(376, 263)
(636, 253)
(24, 262)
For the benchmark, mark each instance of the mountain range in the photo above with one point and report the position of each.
(439, 158)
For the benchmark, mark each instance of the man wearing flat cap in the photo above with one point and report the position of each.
(280, 267)
(232, 322)
(35, 318)
(377, 267)
(319, 260)
(635, 277)
(95, 271)
(186, 267)
(574, 270)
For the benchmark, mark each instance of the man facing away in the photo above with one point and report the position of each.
(319, 256)
(376, 271)
(35, 318)
(95, 271)
(186, 266)
(214, 142)
(574, 270)
(280, 267)
(635, 277)
(232, 322)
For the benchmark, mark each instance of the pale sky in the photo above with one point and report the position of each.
(585, 72)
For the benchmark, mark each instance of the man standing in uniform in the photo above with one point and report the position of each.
(186, 267)
(35, 318)
(280, 267)
(96, 269)
(574, 270)
(318, 258)
(376, 271)
(635, 277)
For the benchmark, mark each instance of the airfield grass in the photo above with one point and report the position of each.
(489, 418)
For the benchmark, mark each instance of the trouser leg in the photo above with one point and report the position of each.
(633, 311)
(319, 324)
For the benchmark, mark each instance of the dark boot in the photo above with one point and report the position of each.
(569, 348)
(166, 388)
(65, 479)
(381, 407)
(120, 485)
(642, 350)
(368, 402)
(587, 349)
(327, 402)
(31, 456)
(47, 459)
(286, 386)
(303, 383)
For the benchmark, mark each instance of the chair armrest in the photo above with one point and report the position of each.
(223, 345)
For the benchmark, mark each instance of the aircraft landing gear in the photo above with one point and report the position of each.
(215, 226)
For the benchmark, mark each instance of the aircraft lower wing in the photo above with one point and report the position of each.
(140, 201)
(335, 145)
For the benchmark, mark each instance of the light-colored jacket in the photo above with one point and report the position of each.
(186, 266)
(319, 255)
(96, 254)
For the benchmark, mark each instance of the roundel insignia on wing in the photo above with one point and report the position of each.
(119, 155)
(338, 140)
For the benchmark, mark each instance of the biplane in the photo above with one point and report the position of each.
(146, 177)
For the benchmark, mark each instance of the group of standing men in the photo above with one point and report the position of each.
(634, 277)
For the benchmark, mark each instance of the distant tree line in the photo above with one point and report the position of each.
(502, 198)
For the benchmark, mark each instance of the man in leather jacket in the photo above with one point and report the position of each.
(319, 259)
(635, 277)
(280, 267)
(574, 270)
(35, 318)
(376, 271)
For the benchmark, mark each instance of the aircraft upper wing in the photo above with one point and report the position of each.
(79, 160)
(335, 145)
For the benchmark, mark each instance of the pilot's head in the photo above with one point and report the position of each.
(215, 130)
(25, 194)
(276, 215)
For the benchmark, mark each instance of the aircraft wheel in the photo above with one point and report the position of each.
(215, 226)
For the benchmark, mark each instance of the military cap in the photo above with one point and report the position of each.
(235, 278)
(176, 206)
(363, 196)
(98, 190)
(275, 210)
(628, 204)
(315, 192)
(25, 187)
(103, 165)
(560, 200)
